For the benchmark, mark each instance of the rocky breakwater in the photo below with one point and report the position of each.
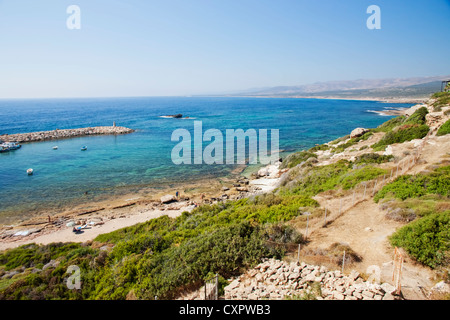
(65, 133)
(275, 280)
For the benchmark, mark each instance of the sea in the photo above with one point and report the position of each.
(124, 164)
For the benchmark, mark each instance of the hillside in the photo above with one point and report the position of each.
(359, 194)
(399, 89)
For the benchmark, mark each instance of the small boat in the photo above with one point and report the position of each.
(30, 171)
(83, 148)
(55, 148)
(4, 149)
(9, 146)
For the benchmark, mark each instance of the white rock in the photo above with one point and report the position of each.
(167, 198)
(388, 151)
(358, 132)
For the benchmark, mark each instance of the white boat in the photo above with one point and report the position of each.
(83, 148)
(8, 146)
(55, 148)
(30, 171)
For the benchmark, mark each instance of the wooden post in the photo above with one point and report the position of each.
(307, 221)
(365, 187)
(217, 286)
(343, 262)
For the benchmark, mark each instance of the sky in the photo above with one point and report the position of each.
(190, 47)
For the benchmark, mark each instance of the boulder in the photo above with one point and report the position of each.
(388, 151)
(167, 198)
(441, 287)
(358, 132)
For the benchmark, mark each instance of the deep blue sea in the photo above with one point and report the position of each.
(123, 164)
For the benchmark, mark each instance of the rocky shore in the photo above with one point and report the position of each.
(64, 134)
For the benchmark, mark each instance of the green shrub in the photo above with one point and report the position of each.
(444, 129)
(31, 255)
(404, 133)
(295, 159)
(426, 239)
(414, 186)
(352, 142)
(403, 129)
(442, 99)
(372, 158)
(390, 124)
(332, 176)
(418, 117)
(226, 251)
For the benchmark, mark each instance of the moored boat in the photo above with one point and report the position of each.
(30, 171)
(9, 146)
(83, 148)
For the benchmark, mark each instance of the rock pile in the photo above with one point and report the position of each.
(63, 134)
(275, 280)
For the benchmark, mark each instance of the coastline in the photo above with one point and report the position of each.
(113, 214)
(350, 98)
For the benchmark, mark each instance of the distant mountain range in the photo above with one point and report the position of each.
(378, 89)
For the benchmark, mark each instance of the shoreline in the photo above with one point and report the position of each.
(410, 100)
(58, 134)
(110, 215)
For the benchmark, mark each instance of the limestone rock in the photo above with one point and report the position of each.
(167, 198)
(358, 132)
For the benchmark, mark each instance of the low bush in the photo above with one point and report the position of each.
(442, 99)
(390, 124)
(403, 129)
(295, 159)
(444, 129)
(404, 133)
(414, 186)
(426, 239)
(374, 158)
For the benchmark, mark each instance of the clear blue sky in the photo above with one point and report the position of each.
(182, 47)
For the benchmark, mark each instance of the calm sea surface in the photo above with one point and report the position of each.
(117, 165)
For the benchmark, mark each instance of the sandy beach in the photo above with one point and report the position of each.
(114, 214)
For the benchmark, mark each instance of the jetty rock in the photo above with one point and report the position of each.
(358, 132)
(65, 133)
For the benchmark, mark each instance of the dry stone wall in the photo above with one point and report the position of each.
(276, 280)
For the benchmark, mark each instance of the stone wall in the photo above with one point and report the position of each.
(276, 280)
(64, 134)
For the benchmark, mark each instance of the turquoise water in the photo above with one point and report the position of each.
(118, 165)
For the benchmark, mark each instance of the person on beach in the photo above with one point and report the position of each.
(176, 194)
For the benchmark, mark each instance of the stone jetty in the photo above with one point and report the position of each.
(64, 134)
